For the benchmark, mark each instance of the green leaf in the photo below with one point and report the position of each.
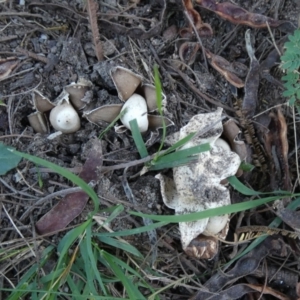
(133, 231)
(228, 209)
(292, 101)
(172, 164)
(137, 137)
(246, 167)
(62, 171)
(70, 237)
(240, 187)
(158, 89)
(93, 260)
(179, 157)
(180, 143)
(8, 160)
(89, 269)
(275, 223)
(130, 287)
(120, 245)
(119, 116)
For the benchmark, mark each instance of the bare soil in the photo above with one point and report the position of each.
(53, 44)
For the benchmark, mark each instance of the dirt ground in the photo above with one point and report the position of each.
(53, 45)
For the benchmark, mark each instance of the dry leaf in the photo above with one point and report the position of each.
(252, 81)
(6, 66)
(72, 205)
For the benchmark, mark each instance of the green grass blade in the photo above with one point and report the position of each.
(62, 171)
(131, 289)
(120, 245)
(184, 153)
(74, 288)
(70, 237)
(90, 278)
(93, 260)
(119, 116)
(8, 159)
(114, 212)
(228, 209)
(133, 231)
(23, 287)
(275, 223)
(179, 158)
(240, 187)
(131, 272)
(180, 143)
(137, 137)
(172, 164)
(158, 90)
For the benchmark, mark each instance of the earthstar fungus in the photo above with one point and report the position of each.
(139, 99)
(196, 187)
(63, 114)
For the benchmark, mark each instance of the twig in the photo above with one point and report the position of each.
(18, 231)
(197, 92)
(33, 55)
(273, 39)
(92, 8)
(198, 38)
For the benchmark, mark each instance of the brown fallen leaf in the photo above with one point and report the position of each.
(238, 15)
(6, 66)
(188, 51)
(238, 291)
(203, 29)
(72, 205)
(246, 265)
(276, 144)
(92, 8)
(290, 217)
(231, 134)
(252, 81)
(225, 68)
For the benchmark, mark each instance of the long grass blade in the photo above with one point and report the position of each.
(131, 289)
(62, 171)
(228, 209)
(137, 137)
(120, 245)
(90, 279)
(275, 223)
(133, 231)
(93, 259)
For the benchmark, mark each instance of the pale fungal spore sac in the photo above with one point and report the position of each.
(196, 187)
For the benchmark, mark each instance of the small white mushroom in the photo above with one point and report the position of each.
(223, 144)
(136, 108)
(216, 224)
(64, 118)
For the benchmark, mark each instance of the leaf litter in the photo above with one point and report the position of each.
(57, 53)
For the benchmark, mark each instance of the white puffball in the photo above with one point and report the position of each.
(136, 109)
(223, 144)
(65, 118)
(216, 224)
